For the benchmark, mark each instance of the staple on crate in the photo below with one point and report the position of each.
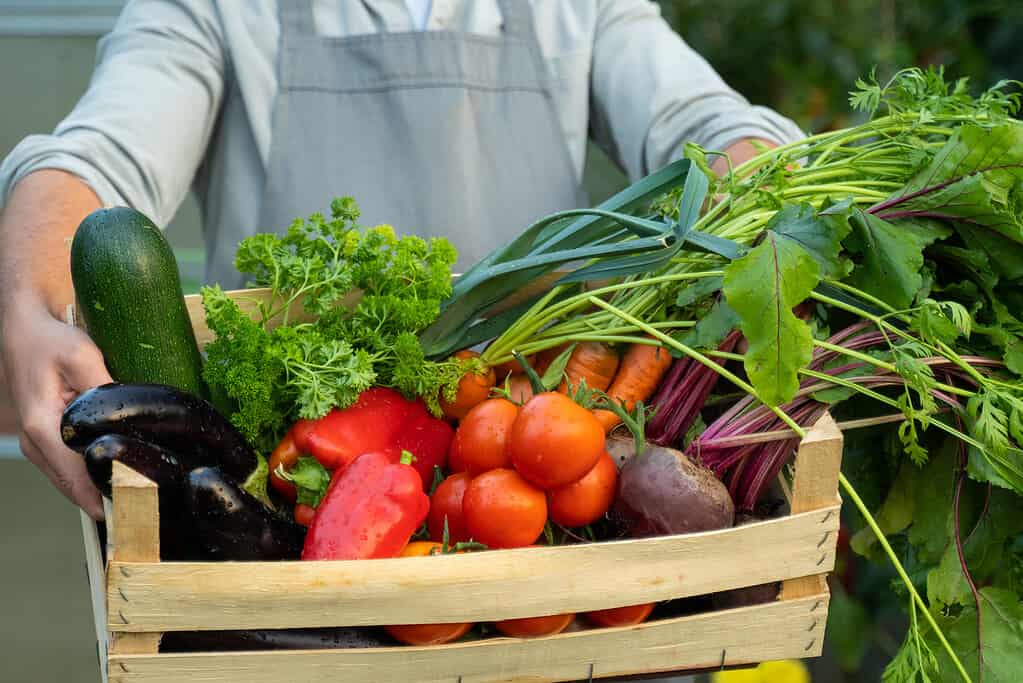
(807, 648)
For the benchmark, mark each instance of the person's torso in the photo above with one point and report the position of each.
(454, 202)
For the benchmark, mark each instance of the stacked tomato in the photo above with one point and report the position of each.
(512, 468)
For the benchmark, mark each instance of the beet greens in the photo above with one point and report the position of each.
(904, 235)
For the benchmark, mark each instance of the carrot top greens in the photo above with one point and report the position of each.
(874, 272)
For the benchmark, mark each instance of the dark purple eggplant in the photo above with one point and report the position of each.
(164, 469)
(151, 461)
(176, 420)
(230, 524)
(274, 639)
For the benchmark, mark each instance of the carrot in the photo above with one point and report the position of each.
(594, 362)
(543, 360)
(509, 367)
(519, 388)
(472, 389)
(639, 373)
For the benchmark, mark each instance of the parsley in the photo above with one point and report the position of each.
(279, 365)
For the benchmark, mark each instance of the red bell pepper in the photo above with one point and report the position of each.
(425, 437)
(371, 510)
(381, 420)
(369, 424)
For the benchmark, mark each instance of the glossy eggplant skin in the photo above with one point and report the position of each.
(230, 524)
(280, 639)
(151, 461)
(173, 419)
(162, 467)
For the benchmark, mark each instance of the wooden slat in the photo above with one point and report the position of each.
(815, 487)
(136, 532)
(770, 631)
(472, 587)
(97, 587)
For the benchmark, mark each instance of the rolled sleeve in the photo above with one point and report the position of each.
(141, 129)
(652, 93)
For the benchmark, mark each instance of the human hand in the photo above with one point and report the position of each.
(48, 363)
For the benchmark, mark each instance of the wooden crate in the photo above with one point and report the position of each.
(137, 598)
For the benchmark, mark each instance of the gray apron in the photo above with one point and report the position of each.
(437, 133)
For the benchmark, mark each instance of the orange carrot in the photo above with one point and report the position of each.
(594, 362)
(472, 389)
(543, 360)
(641, 370)
(519, 388)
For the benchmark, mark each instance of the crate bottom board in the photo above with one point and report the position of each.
(778, 630)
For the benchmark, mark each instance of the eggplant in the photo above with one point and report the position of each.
(151, 461)
(274, 639)
(164, 469)
(163, 415)
(231, 524)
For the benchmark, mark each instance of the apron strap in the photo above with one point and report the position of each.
(517, 17)
(296, 17)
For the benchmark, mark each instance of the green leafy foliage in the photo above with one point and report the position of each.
(1001, 628)
(369, 292)
(889, 256)
(763, 287)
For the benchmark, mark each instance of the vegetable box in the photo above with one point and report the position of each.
(137, 598)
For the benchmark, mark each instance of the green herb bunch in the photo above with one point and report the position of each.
(344, 310)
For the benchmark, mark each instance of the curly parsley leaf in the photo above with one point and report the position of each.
(277, 369)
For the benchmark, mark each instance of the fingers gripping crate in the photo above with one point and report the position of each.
(137, 598)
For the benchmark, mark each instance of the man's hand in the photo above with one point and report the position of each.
(47, 361)
(739, 153)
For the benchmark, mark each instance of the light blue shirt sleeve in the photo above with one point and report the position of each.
(652, 93)
(140, 131)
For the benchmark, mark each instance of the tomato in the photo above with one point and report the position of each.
(446, 503)
(426, 634)
(455, 462)
(286, 453)
(503, 510)
(472, 389)
(481, 440)
(586, 500)
(534, 627)
(304, 514)
(555, 441)
(621, 616)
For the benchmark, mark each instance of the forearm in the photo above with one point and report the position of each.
(41, 215)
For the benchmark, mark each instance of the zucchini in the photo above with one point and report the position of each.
(129, 294)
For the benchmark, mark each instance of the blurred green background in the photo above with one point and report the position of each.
(798, 56)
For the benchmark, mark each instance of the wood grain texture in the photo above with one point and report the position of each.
(815, 487)
(770, 631)
(472, 587)
(136, 531)
(97, 581)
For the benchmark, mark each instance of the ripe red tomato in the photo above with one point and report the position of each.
(586, 500)
(621, 616)
(534, 627)
(304, 514)
(555, 441)
(503, 510)
(426, 634)
(481, 441)
(446, 502)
